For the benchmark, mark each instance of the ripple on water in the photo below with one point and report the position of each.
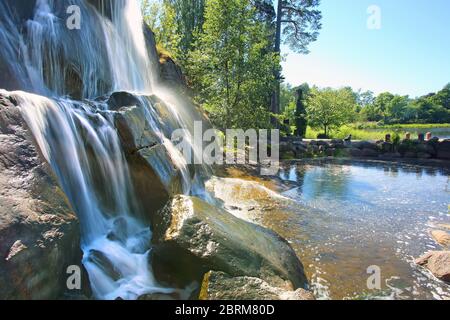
(364, 214)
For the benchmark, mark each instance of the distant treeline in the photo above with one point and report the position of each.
(230, 51)
(331, 108)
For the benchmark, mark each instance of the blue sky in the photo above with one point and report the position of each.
(409, 55)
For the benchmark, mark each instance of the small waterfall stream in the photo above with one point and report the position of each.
(77, 137)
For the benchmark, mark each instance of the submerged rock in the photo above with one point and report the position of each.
(248, 200)
(438, 262)
(39, 233)
(443, 150)
(441, 237)
(193, 237)
(220, 286)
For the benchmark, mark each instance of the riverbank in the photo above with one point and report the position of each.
(372, 131)
(294, 148)
(342, 215)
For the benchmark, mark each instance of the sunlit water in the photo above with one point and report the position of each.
(360, 215)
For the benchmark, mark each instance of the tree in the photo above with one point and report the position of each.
(365, 98)
(442, 98)
(230, 66)
(330, 109)
(161, 18)
(297, 25)
(396, 109)
(189, 19)
(301, 120)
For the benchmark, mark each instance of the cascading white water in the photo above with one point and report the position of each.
(81, 144)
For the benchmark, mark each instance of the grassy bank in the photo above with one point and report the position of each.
(366, 131)
(373, 125)
(345, 131)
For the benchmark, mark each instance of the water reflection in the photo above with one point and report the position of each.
(362, 214)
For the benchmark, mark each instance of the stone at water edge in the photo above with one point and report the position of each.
(355, 152)
(220, 286)
(443, 149)
(441, 237)
(193, 237)
(438, 263)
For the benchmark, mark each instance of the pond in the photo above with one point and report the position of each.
(363, 214)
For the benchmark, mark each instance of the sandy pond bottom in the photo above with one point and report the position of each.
(364, 214)
(346, 217)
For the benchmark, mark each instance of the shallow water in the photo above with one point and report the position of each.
(365, 214)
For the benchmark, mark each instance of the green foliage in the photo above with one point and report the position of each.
(162, 19)
(330, 109)
(230, 67)
(396, 138)
(300, 22)
(390, 109)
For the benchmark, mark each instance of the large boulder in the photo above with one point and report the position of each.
(154, 174)
(443, 150)
(39, 233)
(438, 263)
(365, 145)
(194, 237)
(369, 153)
(220, 286)
(171, 73)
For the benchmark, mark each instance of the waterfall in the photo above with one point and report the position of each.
(56, 65)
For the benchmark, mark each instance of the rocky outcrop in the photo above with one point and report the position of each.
(154, 174)
(22, 9)
(220, 286)
(438, 263)
(171, 73)
(193, 237)
(152, 53)
(443, 150)
(292, 147)
(39, 234)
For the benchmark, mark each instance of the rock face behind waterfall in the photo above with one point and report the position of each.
(194, 237)
(39, 235)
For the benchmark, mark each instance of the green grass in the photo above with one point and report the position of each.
(365, 131)
(374, 125)
(164, 54)
(345, 131)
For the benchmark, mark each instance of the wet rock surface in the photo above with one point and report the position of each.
(39, 233)
(438, 263)
(441, 237)
(193, 237)
(220, 286)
